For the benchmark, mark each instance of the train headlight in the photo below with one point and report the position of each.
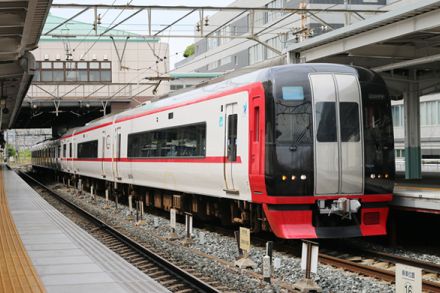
(293, 178)
(378, 176)
(386, 176)
(372, 176)
(303, 177)
(284, 177)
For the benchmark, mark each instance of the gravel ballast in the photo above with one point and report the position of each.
(216, 255)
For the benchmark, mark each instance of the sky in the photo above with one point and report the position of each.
(138, 24)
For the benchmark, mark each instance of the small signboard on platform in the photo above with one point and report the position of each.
(408, 279)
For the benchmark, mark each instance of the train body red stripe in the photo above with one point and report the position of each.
(155, 160)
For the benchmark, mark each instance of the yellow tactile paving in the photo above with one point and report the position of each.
(409, 187)
(17, 273)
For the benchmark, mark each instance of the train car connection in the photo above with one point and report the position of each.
(304, 151)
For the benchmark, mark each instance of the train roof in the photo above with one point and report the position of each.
(217, 85)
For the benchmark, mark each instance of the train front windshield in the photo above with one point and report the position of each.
(289, 132)
(289, 135)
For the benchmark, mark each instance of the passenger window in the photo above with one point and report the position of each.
(326, 122)
(349, 121)
(88, 149)
(70, 150)
(182, 141)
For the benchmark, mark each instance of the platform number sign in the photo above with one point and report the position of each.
(408, 279)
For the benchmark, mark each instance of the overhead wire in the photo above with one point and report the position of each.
(99, 36)
(167, 71)
(79, 43)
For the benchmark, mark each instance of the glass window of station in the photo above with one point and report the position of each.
(73, 71)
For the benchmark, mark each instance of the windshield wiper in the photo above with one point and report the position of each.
(294, 146)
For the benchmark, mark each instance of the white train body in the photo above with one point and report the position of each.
(205, 176)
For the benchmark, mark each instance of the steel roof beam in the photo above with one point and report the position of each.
(408, 63)
(174, 22)
(216, 8)
(324, 45)
(67, 20)
(122, 21)
(226, 23)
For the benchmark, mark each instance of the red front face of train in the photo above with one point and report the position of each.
(328, 152)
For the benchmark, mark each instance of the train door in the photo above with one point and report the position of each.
(71, 150)
(117, 153)
(338, 152)
(103, 143)
(230, 146)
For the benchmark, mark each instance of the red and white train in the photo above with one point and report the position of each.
(305, 151)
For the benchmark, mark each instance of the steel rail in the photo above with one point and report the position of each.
(424, 265)
(192, 281)
(371, 271)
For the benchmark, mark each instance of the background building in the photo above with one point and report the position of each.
(82, 78)
(429, 132)
(272, 32)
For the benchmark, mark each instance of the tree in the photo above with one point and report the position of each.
(10, 150)
(190, 50)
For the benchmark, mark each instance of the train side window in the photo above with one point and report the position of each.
(232, 137)
(326, 122)
(182, 141)
(349, 121)
(64, 150)
(88, 149)
(70, 150)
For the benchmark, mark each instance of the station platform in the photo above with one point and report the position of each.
(43, 251)
(421, 195)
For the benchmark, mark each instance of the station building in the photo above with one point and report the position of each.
(81, 78)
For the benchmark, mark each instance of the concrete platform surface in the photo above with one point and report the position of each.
(417, 197)
(65, 256)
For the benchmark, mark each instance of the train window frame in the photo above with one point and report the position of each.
(232, 137)
(323, 133)
(159, 136)
(349, 125)
(88, 149)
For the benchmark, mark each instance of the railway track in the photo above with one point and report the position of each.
(174, 276)
(381, 266)
(374, 264)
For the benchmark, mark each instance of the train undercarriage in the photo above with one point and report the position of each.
(227, 212)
